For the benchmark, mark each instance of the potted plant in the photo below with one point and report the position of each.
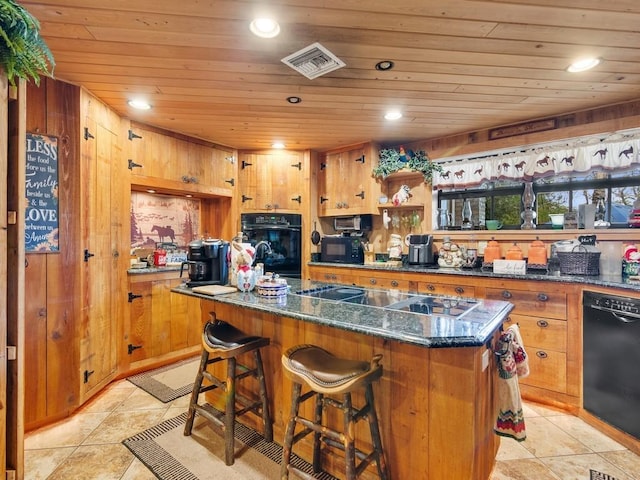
(392, 160)
(23, 52)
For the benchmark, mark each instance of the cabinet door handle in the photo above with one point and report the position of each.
(542, 323)
(543, 297)
(133, 296)
(459, 290)
(431, 288)
(541, 354)
(394, 283)
(506, 294)
(372, 281)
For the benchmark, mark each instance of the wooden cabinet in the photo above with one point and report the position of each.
(171, 163)
(346, 185)
(542, 314)
(385, 282)
(273, 180)
(104, 202)
(331, 275)
(435, 287)
(161, 324)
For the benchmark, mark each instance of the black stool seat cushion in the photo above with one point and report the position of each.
(219, 334)
(323, 368)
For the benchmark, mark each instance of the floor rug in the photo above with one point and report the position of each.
(169, 382)
(595, 475)
(171, 456)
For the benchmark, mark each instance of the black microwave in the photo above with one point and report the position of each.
(342, 250)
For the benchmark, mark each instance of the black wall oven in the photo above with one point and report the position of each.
(278, 241)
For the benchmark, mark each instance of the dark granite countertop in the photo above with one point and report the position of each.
(613, 281)
(474, 328)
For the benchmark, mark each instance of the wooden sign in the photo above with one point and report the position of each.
(41, 216)
(522, 128)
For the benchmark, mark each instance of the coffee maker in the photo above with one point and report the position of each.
(207, 262)
(421, 250)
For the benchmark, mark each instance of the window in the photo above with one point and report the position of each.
(502, 200)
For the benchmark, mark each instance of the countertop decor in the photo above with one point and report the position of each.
(392, 160)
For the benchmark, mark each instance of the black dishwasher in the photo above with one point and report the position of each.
(611, 359)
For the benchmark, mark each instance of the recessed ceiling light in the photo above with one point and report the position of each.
(278, 145)
(393, 115)
(384, 65)
(151, 191)
(294, 99)
(264, 27)
(139, 104)
(583, 65)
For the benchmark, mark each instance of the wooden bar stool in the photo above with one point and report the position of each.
(325, 375)
(221, 341)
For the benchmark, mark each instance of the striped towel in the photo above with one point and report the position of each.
(512, 363)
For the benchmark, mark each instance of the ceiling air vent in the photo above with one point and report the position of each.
(313, 61)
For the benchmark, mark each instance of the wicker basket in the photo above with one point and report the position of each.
(579, 262)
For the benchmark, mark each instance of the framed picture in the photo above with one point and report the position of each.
(41, 182)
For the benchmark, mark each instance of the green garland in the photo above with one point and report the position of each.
(392, 160)
(23, 52)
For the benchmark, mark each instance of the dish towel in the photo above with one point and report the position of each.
(512, 363)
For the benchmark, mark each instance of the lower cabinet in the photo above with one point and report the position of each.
(548, 317)
(454, 290)
(161, 325)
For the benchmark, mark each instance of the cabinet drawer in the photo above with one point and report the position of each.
(548, 369)
(381, 282)
(446, 289)
(333, 277)
(552, 304)
(541, 333)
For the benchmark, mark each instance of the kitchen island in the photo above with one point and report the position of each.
(436, 399)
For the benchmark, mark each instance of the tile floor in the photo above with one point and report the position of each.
(87, 445)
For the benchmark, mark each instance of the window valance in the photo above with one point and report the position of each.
(616, 153)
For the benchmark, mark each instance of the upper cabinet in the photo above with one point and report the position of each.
(273, 180)
(169, 163)
(346, 185)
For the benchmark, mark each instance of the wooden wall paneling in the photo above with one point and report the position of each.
(35, 347)
(12, 261)
(35, 363)
(4, 259)
(63, 268)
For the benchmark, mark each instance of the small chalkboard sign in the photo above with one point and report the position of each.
(41, 216)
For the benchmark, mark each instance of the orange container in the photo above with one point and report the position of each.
(514, 253)
(492, 252)
(537, 253)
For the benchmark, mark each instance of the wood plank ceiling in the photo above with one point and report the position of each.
(460, 65)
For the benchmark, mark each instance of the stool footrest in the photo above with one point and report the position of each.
(210, 414)
(308, 424)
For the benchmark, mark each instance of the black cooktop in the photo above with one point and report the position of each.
(394, 300)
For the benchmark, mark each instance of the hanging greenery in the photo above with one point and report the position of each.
(392, 160)
(23, 52)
